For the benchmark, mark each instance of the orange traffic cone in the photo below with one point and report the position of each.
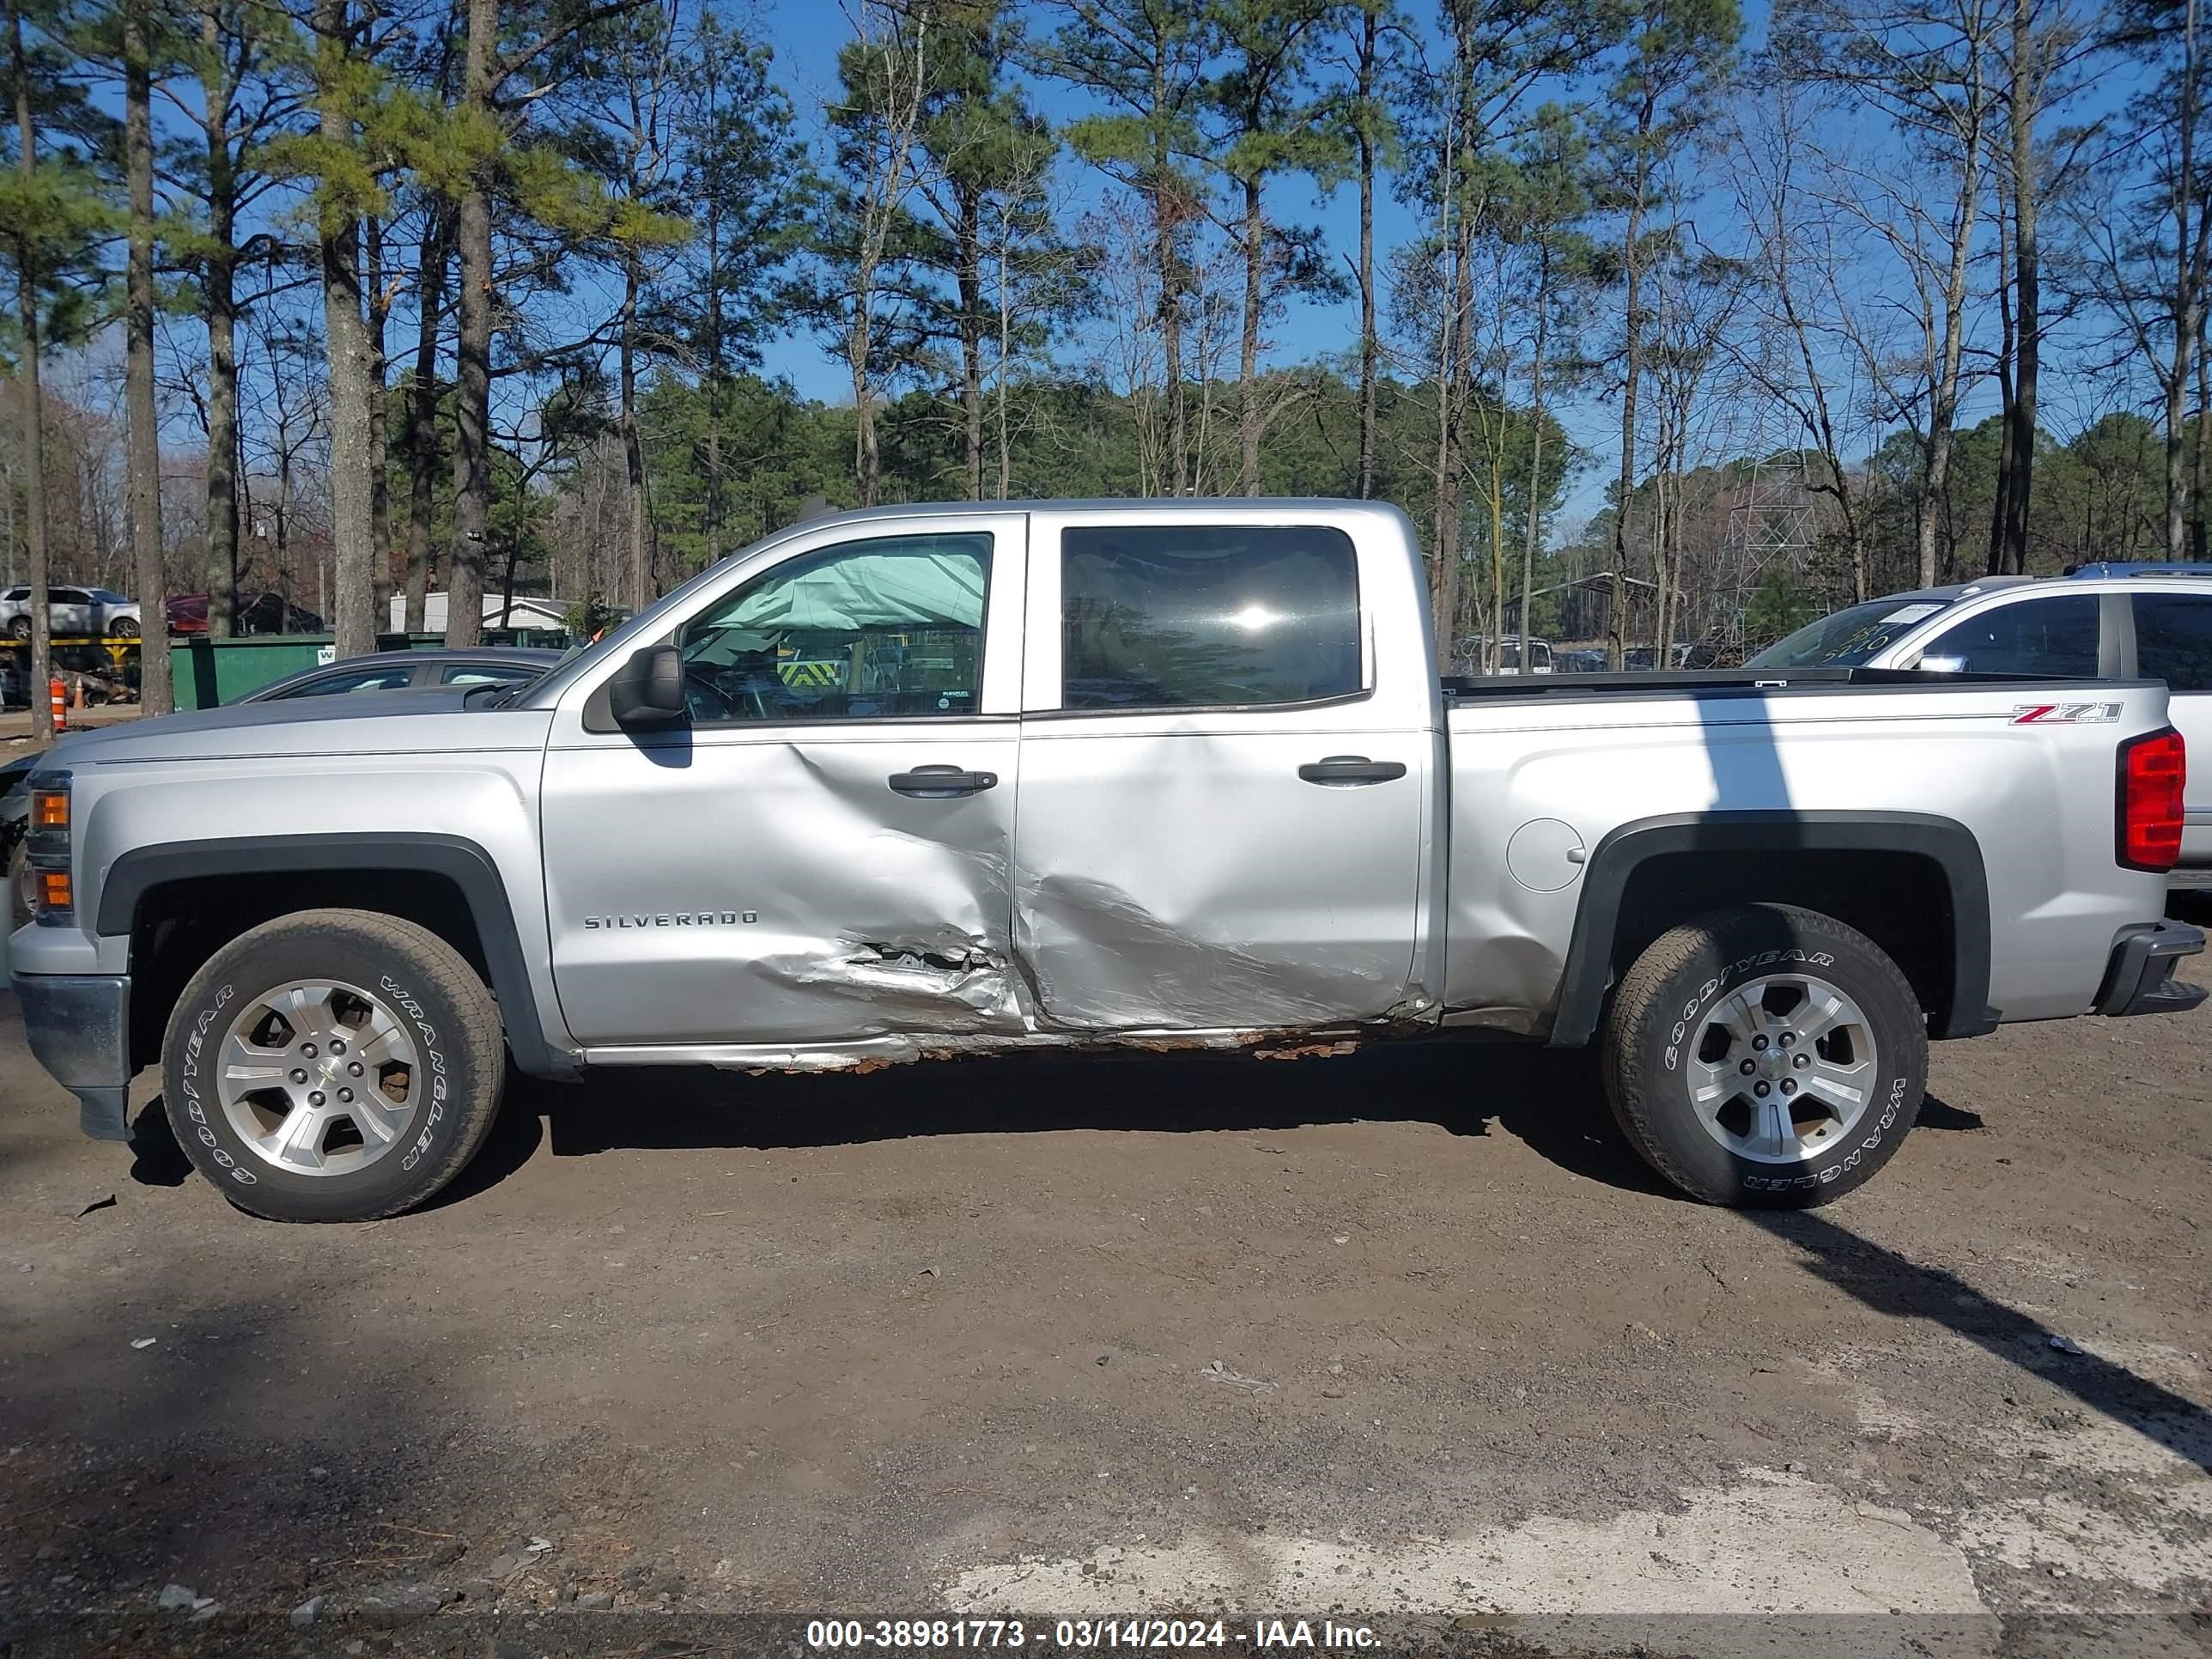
(58, 696)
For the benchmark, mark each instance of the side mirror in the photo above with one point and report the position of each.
(647, 690)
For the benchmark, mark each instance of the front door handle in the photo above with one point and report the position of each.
(1352, 769)
(945, 782)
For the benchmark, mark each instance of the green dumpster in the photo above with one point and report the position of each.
(208, 673)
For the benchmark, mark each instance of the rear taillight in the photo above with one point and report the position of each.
(2152, 769)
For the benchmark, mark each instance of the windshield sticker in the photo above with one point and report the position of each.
(1911, 613)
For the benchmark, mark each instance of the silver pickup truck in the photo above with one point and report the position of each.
(929, 782)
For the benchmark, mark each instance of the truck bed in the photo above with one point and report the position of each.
(1649, 682)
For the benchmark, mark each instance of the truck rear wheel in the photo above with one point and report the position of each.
(1766, 1055)
(333, 1065)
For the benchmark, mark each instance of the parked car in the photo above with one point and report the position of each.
(1474, 647)
(71, 612)
(257, 613)
(395, 670)
(771, 824)
(2101, 621)
(1580, 660)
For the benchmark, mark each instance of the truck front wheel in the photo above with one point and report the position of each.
(333, 1065)
(1766, 1055)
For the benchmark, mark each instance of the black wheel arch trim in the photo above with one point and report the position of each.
(1948, 843)
(468, 866)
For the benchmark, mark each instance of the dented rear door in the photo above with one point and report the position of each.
(823, 854)
(1224, 787)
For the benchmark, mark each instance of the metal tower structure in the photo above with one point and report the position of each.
(1772, 522)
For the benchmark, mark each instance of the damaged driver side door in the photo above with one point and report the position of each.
(820, 853)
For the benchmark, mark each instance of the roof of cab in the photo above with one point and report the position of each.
(1151, 507)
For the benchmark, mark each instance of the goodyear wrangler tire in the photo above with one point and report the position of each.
(1766, 1055)
(333, 1065)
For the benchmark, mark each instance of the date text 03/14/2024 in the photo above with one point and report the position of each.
(1084, 1634)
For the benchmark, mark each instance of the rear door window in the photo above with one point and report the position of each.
(2174, 640)
(2056, 635)
(1165, 616)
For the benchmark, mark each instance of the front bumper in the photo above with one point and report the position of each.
(2140, 978)
(79, 1028)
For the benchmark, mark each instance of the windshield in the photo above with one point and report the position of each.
(1849, 638)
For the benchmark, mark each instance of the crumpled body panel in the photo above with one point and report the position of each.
(780, 891)
(1185, 875)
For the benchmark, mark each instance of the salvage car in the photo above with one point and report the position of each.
(925, 781)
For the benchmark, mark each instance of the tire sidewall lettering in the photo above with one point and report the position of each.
(188, 1086)
(436, 1115)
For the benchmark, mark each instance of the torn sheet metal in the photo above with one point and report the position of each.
(783, 891)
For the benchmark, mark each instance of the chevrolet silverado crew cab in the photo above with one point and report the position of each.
(919, 783)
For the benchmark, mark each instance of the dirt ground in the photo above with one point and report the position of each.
(1405, 1332)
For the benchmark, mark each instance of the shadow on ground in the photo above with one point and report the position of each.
(1551, 1100)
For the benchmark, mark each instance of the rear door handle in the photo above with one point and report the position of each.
(945, 782)
(1352, 769)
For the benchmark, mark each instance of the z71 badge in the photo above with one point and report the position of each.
(2064, 714)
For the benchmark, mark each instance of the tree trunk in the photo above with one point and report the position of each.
(1005, 355)
(2187, 298)
(968, 258)
(472, 479)
(1535, 511)
(2027, 96)
(1453, 393)
(144, 416)
(33, 437)
(1633, 272)
(384, 555)
(346, 342)
(1247, 357)
(641, 575)
(1944, 402)
(2008, 346)
(867, 461)
(1943, 390)
(1369, 22)
(422, 409)
(217, 277)
(2200, 460)
(713, 375)
(1168, 213)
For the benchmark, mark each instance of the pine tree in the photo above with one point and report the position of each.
(1271, 121)
(54, 213)
(744, 175)
(1146, 62)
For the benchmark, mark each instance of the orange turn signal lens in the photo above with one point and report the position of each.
(54, 890)
(50, 809)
